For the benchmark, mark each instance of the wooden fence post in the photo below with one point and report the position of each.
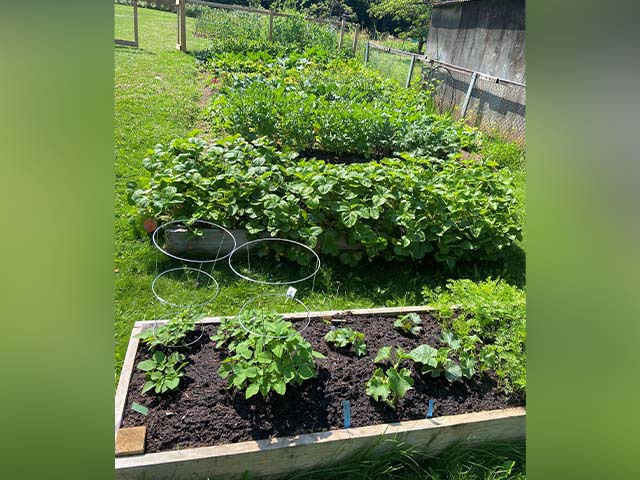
(341, 35)
(366, 52)
(270, 25)
(355, 39)
(135, 22)
(413, 62)
(182, 25)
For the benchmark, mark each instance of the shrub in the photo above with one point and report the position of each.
(494, 313)
(394, 208)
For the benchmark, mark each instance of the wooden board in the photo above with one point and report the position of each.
(279, 455)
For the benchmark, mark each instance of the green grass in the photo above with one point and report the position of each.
(495, 461)
(157, 89)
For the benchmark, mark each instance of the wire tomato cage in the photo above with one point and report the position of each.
(274, 274)
(193, 247)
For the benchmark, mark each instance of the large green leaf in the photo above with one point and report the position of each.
(378, 386)
(400, 382)
(425, 354)
(147, 365)
(383, 354)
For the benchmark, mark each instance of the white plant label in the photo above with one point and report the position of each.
(291, 292)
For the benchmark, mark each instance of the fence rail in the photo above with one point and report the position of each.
(457, 68)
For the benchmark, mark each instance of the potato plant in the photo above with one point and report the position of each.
(173, 332)
(162, 372)
(338, 108)
(267, 357)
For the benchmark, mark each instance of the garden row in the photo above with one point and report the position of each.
(465, 361)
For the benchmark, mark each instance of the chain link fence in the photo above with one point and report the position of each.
(494, 105)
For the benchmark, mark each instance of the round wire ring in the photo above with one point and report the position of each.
(273, 295)
(154, 239)
(185, 344)
(166, 302)
(276, 240)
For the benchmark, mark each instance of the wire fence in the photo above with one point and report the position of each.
(126, 23)
(217, 21)
(495, 105)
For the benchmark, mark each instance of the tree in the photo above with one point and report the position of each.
(412, 13)
(329, 9)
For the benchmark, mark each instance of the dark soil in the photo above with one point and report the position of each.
(204, 412)
(345, 158)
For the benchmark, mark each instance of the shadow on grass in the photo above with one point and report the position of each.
(380, 282)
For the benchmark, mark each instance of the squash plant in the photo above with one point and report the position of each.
(410, 323)
(391, 383)
(343, 337)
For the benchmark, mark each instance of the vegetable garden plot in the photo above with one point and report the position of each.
(203, 411)
(334, 109)
(446, 209)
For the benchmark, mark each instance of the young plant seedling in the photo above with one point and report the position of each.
(173, 332)
(392, 383)
(410, 324)
(438, 361)
(161, 371)
(343, 337)
(268, 359)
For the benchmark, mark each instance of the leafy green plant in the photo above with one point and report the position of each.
(439, 361)
(343, 337)
(490, 312)
(450, 210)
(272, 357)
(172, 333)
(161, 372)
(391, 383)
(410, 323)
(339, 108)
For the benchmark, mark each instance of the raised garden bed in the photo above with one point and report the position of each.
(205, 429)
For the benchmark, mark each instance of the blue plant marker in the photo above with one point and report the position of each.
(346, 408)
(430, 412)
